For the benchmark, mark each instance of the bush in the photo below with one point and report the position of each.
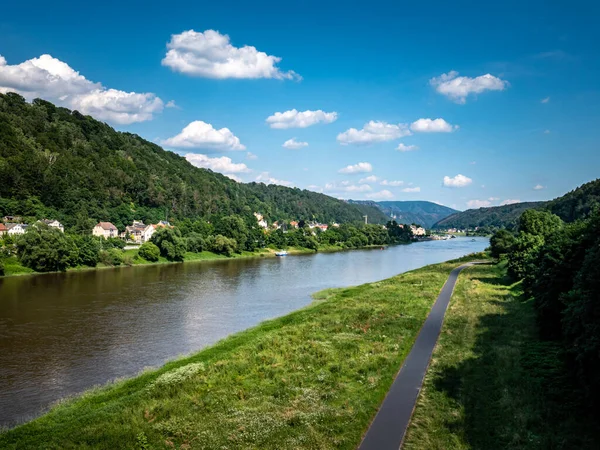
(194, 243)
(46, 249)
(111, 257)
(149, 251)
(89, 247)
(170, 243)
(113, 243)
(221, 245)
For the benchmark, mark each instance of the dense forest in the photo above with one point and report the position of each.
(559, 265)
(418, 212)
(56, 163)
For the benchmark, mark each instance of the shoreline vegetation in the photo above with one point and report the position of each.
(312, 378)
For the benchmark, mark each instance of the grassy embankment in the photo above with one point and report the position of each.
(311, 379)
(492, 384)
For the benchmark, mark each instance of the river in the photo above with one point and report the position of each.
(63, 333)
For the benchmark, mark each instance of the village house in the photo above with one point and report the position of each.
(54, 224)
(16, 228)
(261, 221)
(294, 224)
(3, 229)
(11, 219)
(134, 232)
(105, 230)
(417, 230)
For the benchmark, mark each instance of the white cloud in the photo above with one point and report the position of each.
(345, 186)
(382, 195)
(413, 189)
(473, 163)
(266, 178)
(251, 156)
(478, 203)
(55, 80)
(369, 179)
(361, 167)
(373, 131)
(509, 202)
(200, 134)
(210, 54)
(171, 104)
(457, 181)
(300, 119)
(223, 164)
(432, 126)
(233, 177)
(293, 144)
(493, 199)
(406, 148)
(459, 88)
(392, 183)
(545, 100)
(538, 187)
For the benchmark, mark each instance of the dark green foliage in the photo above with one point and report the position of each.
(578, 203)
(111, 257)
(170, 243)
(221, 245)
(1, 266)
(113, 243)
(45, 249)
(61, 164)
(149, 251)
(194, 242)
(88, 247)
(501, 243)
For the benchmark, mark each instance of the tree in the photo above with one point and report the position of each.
(233, 227)
(170, 243)
(501, 242)
(149, 251)
(89, 248)
(221, 245)
(46, 249)
(111, 257)
(539, 223)
(194, 242)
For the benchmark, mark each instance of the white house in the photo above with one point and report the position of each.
(16, 228)
(261, 221)
(105, 230)
(417, 231)
(54, 224)
(148, 232)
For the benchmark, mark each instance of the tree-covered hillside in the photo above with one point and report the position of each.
(495, 216)
(419, 212)
(577, 203)
(58, 163)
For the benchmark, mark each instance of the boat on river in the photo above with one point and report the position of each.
(281, 253)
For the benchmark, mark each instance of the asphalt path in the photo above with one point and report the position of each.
(389, 426)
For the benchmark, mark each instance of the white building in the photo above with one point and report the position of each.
(16, 228)
(261, 221)
(54, 224)
(105, 230)
(417, 231)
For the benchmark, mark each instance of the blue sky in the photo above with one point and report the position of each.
(515, 84)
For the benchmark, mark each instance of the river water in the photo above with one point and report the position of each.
(63, 333)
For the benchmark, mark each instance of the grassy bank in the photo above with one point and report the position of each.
(492, 384)
(311, 379)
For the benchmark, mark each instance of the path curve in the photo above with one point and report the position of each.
(387, 430)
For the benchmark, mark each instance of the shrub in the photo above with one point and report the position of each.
(111, 257)
(222, 245)
(170, 243)
(195, 243)
(46, 249)
(149, 251)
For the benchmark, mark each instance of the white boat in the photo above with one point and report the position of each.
(281, 253)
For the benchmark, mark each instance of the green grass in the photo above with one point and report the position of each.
(12, 266)
(492, 384)
(311, 379)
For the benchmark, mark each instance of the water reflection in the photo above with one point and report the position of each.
(62, 333)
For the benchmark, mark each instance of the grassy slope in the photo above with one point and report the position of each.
(492, 384)
(311, 379)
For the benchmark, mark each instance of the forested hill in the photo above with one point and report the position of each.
(419, 212)
(60, 164)
(574, 205)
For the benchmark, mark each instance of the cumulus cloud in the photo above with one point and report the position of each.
(457, 181)
(538, 187)
(392, 183)
(509, 202)
(361, 167)
(200, 134)
(432, 126)
(406, 148)
(412, 189)
(251, 155)
(545, 100)
(369, 179)
(300, 119)
(222, 165)
(233, 177)
(478, 203)
(171, 104)
(266, 178)
(459, 88)
(373, 131)
(293, 144)
(382, 195)
(346, 186)
(210, 54)
(55, 80)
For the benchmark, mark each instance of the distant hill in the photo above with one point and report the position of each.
(419, 212)
(571, 206)
(60, 164)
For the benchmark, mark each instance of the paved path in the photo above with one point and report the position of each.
(389, 426)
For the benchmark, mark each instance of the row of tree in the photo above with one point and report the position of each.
(559, 264)
(46, 249)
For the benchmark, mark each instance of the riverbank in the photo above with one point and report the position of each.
(12, 266)
(313, 378)
(492, 383)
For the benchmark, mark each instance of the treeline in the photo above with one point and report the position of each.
(56, 163)
(559, 264)
(45, 249)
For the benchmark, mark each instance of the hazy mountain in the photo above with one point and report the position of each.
(419, 212)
